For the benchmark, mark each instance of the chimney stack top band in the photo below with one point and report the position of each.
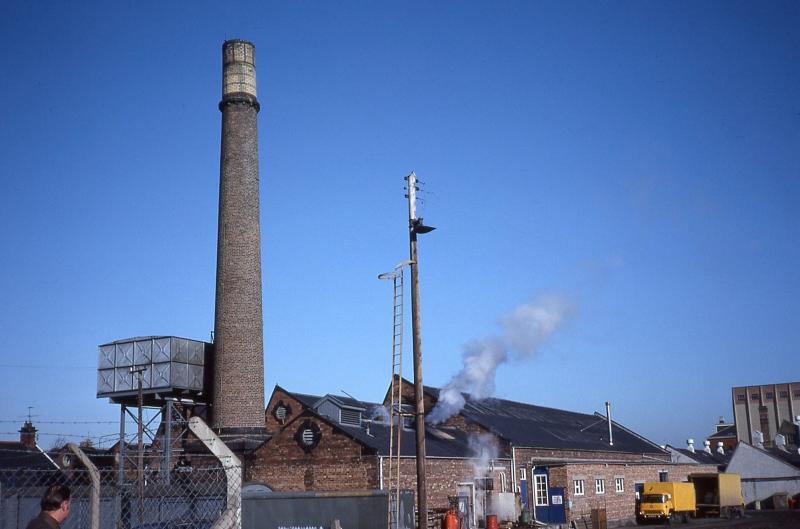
(238, 68)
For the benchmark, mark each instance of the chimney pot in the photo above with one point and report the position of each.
(707, 446)
(720, 448)
(690, 445)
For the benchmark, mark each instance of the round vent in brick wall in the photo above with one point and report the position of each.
(281, 411)
(308, 435)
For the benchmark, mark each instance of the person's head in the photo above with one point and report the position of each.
(55, 502)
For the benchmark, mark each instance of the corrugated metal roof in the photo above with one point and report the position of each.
(527, 425)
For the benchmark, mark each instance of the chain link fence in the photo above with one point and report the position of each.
(185, 498)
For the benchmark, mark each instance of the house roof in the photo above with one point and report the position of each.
(441, 442)
(14, 454)
(527, 425)
(728, 431)
(703, 457)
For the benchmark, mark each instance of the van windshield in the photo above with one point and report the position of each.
(653, 498)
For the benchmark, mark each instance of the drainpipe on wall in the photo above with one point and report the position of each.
(513, 471)
(533, 489)
(380, 471)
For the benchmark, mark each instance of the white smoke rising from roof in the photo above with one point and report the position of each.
(524, 330)
(379, 414)
(483, 449)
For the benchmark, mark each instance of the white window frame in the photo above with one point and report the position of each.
(578, 487)
(538, 500)
(599, 486)
(619, 484)
(523, 474)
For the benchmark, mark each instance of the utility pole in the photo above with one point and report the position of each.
(416, 226)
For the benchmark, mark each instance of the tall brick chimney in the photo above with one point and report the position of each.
(238, 403)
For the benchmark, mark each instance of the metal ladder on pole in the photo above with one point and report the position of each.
(396, 401)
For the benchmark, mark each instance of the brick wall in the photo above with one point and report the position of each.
(293, 407)
(619, 506)
(442, 477)
(340, 463)
(336, 463)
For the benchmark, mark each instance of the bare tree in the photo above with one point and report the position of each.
(58, 443)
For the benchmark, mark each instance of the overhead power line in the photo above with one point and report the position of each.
(51, 366)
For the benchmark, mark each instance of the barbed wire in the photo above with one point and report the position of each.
(65, 422)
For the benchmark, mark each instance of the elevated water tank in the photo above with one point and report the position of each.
(171, 367)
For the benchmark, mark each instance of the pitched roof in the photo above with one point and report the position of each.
(704, 458)
(14, 454)
(793, 458)
(728, 431)
(439, 442)
(305, 399)
(527, 425)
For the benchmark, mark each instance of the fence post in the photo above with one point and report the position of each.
(95, 475)
(231, 517)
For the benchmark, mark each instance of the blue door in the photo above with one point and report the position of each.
(523, 492)
(548, 501)
(557, 513)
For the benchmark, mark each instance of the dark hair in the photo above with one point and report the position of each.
(54, 496)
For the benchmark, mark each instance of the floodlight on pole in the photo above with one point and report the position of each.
(398, 270)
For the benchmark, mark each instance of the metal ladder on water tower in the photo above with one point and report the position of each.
(396, 402)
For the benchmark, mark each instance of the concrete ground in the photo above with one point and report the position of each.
(751, 520)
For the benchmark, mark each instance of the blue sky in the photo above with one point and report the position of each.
(641, 159)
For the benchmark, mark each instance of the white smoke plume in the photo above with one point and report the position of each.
(379, 414)
(483, 449)
(524, 330)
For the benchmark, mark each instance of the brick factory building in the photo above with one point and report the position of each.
(557, 464)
